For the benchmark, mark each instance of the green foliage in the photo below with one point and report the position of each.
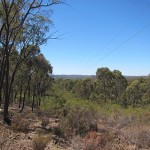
(120, 85)
(105, 81)
(84, 88)
(146, 97)
(134, 93)
(110, 85)
(53, 105)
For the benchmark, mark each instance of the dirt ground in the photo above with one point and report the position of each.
(34, 131)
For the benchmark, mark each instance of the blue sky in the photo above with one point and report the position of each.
(100, 33)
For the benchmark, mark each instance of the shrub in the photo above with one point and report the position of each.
(20, 124)
(77, 143)
(94, 141)
(80, 121)
(40, 142)
(53, 105)
(139, 136)
(45, 121)
(143, 139)
(58, 132)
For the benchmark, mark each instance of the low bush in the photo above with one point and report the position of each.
(40, 142)
(79, 121)
(53, 105)
(58, 132)
(20, 123)
(94, 141)
(143, 139)
(45, 121)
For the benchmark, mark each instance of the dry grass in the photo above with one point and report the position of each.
(117, 132)
(77, 143)
(137, 135)
(94, 141)
(45, 121)
(40, 142)
(4, 137)
(80, 129)
(20, 123)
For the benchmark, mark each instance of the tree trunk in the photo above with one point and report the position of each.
(6, 102)
(15, 96)
(20, 98)
(12, 97)
(24, 98)
(2, 75)
(33, 99)
(0, 97)
(39, 102)
(29, 85)
(1, 88)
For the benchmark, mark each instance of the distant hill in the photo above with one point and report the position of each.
(73, 76)
(135, 77)
(91, 76)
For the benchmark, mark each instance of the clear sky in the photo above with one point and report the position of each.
(100, 33)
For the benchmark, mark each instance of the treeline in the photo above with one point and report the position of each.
(110, 86)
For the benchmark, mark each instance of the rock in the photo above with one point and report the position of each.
(48, 128)
(30, 137)
(1, 110)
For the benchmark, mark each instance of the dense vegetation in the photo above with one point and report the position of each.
(110, 87)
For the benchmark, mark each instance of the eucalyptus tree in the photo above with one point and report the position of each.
(22, 23)
(13, 60)
(105, 82)
(21, 80)
(41, 78)
(110, 84)
(146, 95)
(83, 88)
(66, 84)
(134, 93)
(119, 86)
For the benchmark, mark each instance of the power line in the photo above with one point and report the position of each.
(109, 42)
(113, 50)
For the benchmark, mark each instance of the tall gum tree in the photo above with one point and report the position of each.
(22, 23)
